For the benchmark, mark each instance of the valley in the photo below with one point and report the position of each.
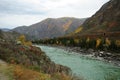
(59, 48)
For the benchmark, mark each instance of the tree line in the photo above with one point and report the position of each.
(96, 43)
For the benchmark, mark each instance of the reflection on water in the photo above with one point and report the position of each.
(90, 69)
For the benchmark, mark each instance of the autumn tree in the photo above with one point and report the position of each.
(22, 40)
(117, 42)
(98, 41)
(107, 42)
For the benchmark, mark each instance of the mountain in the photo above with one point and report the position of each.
(106, 20)
(10, 36)
(51, 27)
(5, 29)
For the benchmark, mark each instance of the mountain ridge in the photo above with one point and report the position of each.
(5, 29)
(105, 23)
(51, 27)
(106, 19)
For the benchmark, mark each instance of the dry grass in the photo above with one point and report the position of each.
(21, 73)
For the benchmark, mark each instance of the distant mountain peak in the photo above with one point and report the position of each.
(5, 29)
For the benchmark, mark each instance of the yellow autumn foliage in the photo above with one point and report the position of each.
(23, 41)
(66, 25)
(88, 40)
(76, 40)
(78, 30)
(117, 42)
(98, 41)
(28, 43)
(57, 42)
(107, 42)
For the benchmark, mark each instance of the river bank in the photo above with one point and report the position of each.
(110, 57)
(33, 59)
(83, 66)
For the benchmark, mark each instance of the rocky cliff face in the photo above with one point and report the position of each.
(51, 27)
(107, 19)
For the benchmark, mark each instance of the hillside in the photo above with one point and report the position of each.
(27, 62)
(51, 27)
(105, 21)
(9, 36)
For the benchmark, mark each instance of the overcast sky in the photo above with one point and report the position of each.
(15, 13)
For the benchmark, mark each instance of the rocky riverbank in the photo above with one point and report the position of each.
(106, 56)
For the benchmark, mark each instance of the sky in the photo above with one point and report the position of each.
(14, 13)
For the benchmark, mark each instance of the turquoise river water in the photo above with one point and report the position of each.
(83, 66)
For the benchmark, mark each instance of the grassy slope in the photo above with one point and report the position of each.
(28, 63)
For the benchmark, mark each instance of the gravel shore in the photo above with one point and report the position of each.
(110, 57)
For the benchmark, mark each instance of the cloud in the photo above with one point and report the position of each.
(45, 6)
(26, 12)
(21, 7)
(18, 20)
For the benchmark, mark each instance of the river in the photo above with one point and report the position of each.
(83, 66)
